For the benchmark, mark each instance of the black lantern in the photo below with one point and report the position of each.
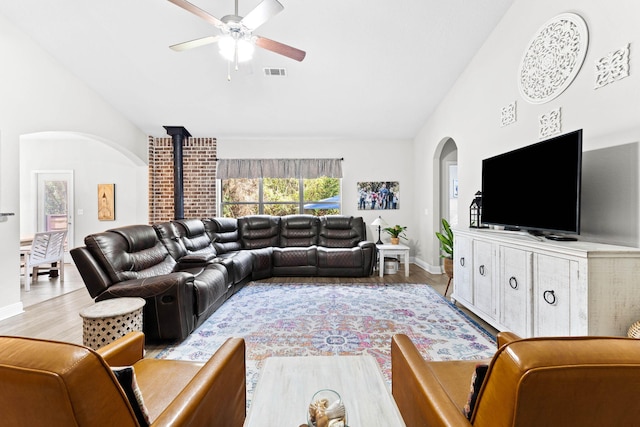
(475, 211)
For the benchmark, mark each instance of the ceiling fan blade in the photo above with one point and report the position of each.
(194, 43)
(199, 12)
(262, 13)
(280, 48)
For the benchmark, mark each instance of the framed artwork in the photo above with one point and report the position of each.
(378, 195)
(106, 202)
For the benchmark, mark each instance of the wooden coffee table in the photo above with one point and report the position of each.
(286, 385)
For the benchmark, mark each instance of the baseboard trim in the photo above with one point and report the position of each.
(11, 310)
(433, 269)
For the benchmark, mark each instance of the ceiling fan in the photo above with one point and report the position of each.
(236, 38)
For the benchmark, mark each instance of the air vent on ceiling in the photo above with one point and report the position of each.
(275, 72)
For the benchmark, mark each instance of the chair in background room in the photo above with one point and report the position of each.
(47, 249)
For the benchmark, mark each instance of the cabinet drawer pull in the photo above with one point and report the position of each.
(462, 261)
(513, 282)
(549, 297)
(481, 269)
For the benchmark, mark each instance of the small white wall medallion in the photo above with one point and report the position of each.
(613, 67)
(553, 58)
(508, 114)
(550, 123)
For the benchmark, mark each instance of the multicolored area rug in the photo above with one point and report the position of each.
(327, 319)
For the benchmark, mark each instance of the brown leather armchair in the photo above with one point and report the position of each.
(564, 381)
(60, 384)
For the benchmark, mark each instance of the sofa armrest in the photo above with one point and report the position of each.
(124, 351)
(149, 286)
(369, 253)
(94, 277)
(202, 258)
(420, 396)
(168, 313)
(218, 390)
(367, 244)
(506, 337)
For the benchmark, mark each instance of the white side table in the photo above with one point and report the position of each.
(388, 249)
(108, 320)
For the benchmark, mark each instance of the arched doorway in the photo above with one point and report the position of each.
(445, 191)
(70, 166)
(448, 197)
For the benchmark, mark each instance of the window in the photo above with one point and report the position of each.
(280, 196)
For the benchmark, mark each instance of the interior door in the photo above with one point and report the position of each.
(55, 202)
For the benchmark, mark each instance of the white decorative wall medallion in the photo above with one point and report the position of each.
(550, 123)
(508, 114)
(614, 66)
(553, 58)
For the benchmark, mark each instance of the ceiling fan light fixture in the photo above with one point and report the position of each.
(238, 31)
(229, 46)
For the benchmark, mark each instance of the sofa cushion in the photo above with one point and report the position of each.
(126, 377)
(210, 284)
(191, 227)
(130, 252)
(223, 232)
(262, 264)
(195, 239)
(299, 230)
(476, 382)
(295, 261)
(340, 257)
(259, 231)
(170, 237)
(338, 231)
(241, 264)
(138, 237)
(294, 257)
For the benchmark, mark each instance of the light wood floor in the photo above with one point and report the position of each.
(51, 307)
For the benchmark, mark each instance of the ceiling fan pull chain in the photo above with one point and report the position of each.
(228, 71)
(235, 56)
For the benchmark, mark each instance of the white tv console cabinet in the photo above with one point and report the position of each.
(534, 287)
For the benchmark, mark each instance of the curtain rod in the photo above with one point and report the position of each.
(218, 158)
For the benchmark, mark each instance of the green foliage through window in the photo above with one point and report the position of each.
(280, 196)
(55, 198)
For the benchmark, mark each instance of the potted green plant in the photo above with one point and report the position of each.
(396, 232)
(446, 249)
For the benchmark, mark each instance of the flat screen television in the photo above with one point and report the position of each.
(535, 188)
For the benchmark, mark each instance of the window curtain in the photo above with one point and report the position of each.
(279, 168)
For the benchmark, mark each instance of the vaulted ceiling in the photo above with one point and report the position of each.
(374, 69)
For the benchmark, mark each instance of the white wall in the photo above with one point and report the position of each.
(470, 114)
(92, 162)
(363, 161)
(39, 95)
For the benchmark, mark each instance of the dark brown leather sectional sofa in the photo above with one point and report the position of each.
(186, 269)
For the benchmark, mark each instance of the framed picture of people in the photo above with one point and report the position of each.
(378, 195)
(106, 202)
